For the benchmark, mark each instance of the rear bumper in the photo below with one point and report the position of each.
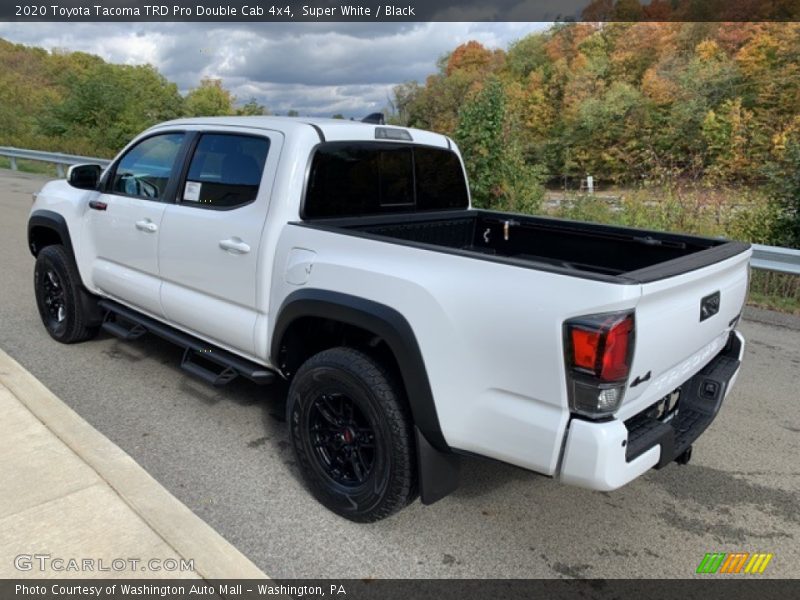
(607, 455)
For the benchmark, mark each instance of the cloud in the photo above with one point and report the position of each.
(317, 69)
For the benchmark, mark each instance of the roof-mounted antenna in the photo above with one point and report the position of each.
(375, 118)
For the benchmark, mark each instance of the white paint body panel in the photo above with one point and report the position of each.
(490, 333)
(123, 258)
(594, 455)
(206, 288)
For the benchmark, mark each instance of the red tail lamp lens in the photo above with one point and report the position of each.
(598, 350)
(584, 347)
(615, 355)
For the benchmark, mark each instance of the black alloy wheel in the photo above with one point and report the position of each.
(54, 299)
(342, 438)
(352, 435)
(60, 297)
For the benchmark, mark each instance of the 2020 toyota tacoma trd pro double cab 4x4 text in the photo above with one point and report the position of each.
(346, 258)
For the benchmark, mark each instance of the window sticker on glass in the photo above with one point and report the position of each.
(191, 192)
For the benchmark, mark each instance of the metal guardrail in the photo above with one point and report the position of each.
(768, 258)
(57, 158)
(774, 258)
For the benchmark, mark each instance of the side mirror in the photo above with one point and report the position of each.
(84, 177)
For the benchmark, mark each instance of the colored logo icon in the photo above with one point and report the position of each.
(734, 562)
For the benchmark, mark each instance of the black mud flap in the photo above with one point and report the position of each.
(439, 472)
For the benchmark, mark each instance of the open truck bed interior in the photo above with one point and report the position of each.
(585, 250)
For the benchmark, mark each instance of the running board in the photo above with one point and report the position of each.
(124, 333)
(228, 366)
(217, 378)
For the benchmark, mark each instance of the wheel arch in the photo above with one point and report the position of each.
(46, 228)
(378, 319)
(438, 465)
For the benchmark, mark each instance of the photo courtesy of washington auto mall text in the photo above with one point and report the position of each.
(206, 589)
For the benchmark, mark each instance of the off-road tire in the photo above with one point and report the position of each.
(56, 279)
(391, 481)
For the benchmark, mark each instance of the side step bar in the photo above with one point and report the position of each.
(199, 358)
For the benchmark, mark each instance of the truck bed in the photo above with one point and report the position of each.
(620, 254)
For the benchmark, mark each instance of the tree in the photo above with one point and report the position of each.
(106, 105)
(209, 99)
(498, 174)
(292, 113)
(252, 107)
(728, 133)
(405, 98)
(783, 174)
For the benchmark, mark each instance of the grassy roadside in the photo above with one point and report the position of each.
(30, 166)
(736, 213)
(775, 291)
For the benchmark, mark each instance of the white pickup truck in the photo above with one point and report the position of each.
(345, 258)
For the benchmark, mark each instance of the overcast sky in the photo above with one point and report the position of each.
(318, 69)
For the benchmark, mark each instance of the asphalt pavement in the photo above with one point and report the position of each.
(226, 455)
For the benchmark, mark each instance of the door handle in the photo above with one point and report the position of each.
(234, 245)
(146, 225)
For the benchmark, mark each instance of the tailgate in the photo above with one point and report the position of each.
(673, 340)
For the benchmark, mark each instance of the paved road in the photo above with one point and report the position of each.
(226, 455)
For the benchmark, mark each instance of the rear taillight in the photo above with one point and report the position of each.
(598, 352)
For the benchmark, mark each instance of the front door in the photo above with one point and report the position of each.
(123, 223)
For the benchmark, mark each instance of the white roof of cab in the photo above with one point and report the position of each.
(332, 129)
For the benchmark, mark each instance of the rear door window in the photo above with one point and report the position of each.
(225, 171)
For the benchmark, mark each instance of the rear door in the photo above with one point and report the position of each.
(681, 323)
(211, 236)
(123, 223)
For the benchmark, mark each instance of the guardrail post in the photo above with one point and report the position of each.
(60, 169)
(13, 163)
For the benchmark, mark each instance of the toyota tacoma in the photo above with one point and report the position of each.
(346, 258)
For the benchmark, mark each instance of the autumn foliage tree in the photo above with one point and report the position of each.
(627, 102)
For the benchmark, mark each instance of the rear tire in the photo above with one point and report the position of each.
(59, 296)
(352, 435)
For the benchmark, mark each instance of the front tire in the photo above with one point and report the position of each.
(57, 284)
(352, 435)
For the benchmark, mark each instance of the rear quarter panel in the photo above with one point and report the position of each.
(490, 334)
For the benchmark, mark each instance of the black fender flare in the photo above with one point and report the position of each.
(438, 465)
(48, 219)
(55, 222)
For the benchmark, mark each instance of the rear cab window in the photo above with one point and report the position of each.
(350, 179)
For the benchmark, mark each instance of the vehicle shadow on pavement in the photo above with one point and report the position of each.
(481, 476)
